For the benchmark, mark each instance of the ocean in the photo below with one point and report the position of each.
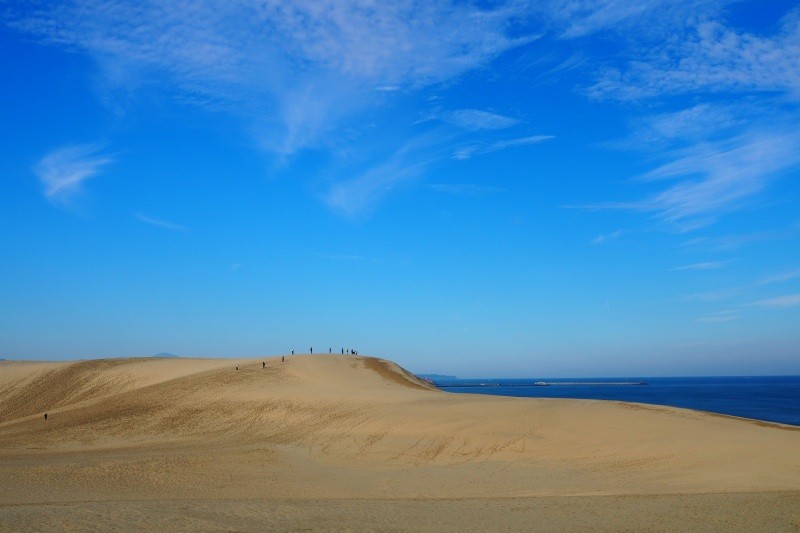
(768, 398)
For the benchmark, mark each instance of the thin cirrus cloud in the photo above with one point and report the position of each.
(699, 123)
(64, 170)
(359, 195)
(721, 316)
(711, 58)
(348, 257)
(467, 152)
(710, 296)
(781, 278)
(711, 179)
(362, 193)
(274, 58)
(580, 18)
(294, 73)
(788, 300)
(735, 241)
(721, 177)
(161, 223)
(465, 189)
(726, 167)
(707, 265)
(602, 239)
(476, 119)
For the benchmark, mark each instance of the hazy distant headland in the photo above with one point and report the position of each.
(434, 377)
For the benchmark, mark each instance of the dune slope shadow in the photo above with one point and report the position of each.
(395, 373)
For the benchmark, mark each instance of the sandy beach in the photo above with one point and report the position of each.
(340, 442)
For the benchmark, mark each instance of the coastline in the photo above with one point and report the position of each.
(773, 399)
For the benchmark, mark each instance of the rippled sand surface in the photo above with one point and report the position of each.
(333, 442)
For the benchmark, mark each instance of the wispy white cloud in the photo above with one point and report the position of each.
(781, 278)
(297, 73)
(468, 189)
(700, 123)
(547, 68)
(722, 152)
(710, 296)
(711, 57)
(578, 18)
(602, 239)
(154, 221)
(466, 152)
(476, 119)
(719, 178)
(362, 193)
(64, 170)
(348, 257)
(789, 300)
(716, 178)
(721, 316)
(734, 241)
(708, 265)
(300, 67)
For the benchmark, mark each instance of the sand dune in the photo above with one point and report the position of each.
(138, 437)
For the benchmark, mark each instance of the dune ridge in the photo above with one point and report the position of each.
(361, 428)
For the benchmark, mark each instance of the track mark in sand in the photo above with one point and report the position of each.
(373, 439)
(436, 448)
(407, 451)
(426, 449)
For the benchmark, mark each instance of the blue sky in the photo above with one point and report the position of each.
(572, 188)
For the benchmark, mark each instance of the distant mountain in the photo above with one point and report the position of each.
(165, 354)
(436, 376)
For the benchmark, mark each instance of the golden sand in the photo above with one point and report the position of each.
(337, 442)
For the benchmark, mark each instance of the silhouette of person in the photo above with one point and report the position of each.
(45, 416)
(329, 350)
(342, 351)
(311, 350)
(292, 352)
(283, 359)
(263, 364)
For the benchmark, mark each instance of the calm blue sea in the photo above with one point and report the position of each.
(770, 398)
